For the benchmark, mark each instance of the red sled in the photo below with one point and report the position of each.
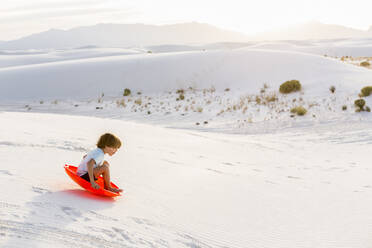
(71, 172)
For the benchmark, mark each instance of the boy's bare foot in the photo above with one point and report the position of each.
(114, 190)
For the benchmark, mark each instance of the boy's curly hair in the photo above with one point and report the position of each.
(109, 140)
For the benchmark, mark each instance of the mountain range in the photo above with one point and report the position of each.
(140, 35)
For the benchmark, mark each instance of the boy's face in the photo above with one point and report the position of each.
(110, 150)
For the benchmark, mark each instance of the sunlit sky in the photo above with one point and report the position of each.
(23, 17)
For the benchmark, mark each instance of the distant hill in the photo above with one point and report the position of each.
(137, 35)
(125, 35)
(314, 30)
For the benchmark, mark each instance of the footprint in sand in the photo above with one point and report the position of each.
(40, 190)
(5, 172)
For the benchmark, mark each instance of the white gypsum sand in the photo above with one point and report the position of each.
(222, 166)
(304, 187)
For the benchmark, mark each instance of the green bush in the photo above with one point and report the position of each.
(366, 91)
(299, 110)
(365, 63)
(127, 92)
(290, 86)
(360, 103)
(332, 89)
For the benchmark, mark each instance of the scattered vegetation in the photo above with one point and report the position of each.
(121, 103)
(359, 104)
(290, 86)
(332, 89)
(366, 91)
(299, 110)
(365, 63)
(127, 92)
(138, 101)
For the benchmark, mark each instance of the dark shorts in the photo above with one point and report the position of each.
(86, 177)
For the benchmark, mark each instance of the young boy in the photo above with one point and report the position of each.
(93, 164)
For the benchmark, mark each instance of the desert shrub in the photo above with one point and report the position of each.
(121, 103)
(299, 110)
(127, 92)
(360, 103)
(365, 63)
(138, 101)
(258, 100)
(368, 109)
(149, 51)
(181, 97)
(199, 109)
(332, 89)
(290, 86)
(271, 98)
(180, 91)
(227, 89)
(41, 102)
(366, 91)
(344, 107)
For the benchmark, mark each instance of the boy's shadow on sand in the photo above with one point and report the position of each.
(47, 216)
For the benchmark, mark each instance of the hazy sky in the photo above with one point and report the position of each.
(23, 17)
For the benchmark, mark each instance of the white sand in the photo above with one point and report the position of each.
(278, 181)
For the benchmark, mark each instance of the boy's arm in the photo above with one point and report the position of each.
(90, 166)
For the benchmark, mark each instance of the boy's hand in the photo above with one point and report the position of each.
(94, 185)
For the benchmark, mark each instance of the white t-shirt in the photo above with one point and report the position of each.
(96, 154)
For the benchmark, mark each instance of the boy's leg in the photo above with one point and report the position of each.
(105, 172)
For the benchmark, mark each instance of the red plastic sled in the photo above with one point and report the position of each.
(71, 171)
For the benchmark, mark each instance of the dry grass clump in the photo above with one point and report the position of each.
(359, 104)
(127, 92)
(366, 91)
(332, 89)
(299, 110)
(290, 86)
(270, 98)
(121, 103)
(181, 97)
(138, 101)
(365, 63)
